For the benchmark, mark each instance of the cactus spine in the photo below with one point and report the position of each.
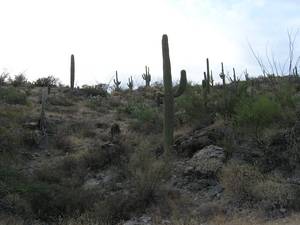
(147, 77)
(130, 83)
(117, 82)
(169, 96)
(72, 74)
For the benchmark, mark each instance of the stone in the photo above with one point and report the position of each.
(207, 161)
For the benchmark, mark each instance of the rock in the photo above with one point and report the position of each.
(207, 161)
(143, 220)
(31, 125)
(91, 183)
(188, 144)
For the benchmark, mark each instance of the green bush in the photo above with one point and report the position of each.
(146, 118)
(13, 96)
(191, 103)
(92, 91)
(257, 113)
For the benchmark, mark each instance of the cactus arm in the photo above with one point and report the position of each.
(182, 84)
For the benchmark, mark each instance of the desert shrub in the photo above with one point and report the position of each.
(49, 81)
(191, 103)
(3, 77)
(60, 101)
(257, 113)
(19, 80)
(146, 118)
(13, 96)
(114, 209)
(284, 95)
(92, 91)
(274, 195)
(97, 103)
(50, 202)
(69, 171)
(10, 139)
(239, 179)
(223, 101)
(147, 173)
(11, 181)
(100, 157)
(79, 129)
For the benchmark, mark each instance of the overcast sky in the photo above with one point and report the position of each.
(38, 36)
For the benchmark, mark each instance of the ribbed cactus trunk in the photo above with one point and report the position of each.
(72, 72)
(168, 97)
(223, 75)
(207, 74)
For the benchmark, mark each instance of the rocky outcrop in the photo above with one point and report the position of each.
(188, 144)
(207, 161)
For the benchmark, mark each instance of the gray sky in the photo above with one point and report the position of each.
(38, 36)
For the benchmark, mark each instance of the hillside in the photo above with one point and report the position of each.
(94, 157)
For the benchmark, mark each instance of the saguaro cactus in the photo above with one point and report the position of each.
(169, 96)
(234, 76)
(72, 74)
(43, 120)
(147, 77)
(207, 75)
(295, 71)
(117, 82)
(211, 78)
(222, 75)
(130, 83)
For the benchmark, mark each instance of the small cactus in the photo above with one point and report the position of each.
(147, 77)
(117, 82)
(72, 73)
(130, 83)
(169, 96)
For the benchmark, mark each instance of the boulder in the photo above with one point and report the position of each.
(192, 142)
(207, 161)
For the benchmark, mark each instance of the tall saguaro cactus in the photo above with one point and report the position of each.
(207, 75)
(147, 77)
(130, 83)
(117, 82)
(72, 72)
(169, 96)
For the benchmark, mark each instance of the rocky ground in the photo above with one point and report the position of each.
(100, 162)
